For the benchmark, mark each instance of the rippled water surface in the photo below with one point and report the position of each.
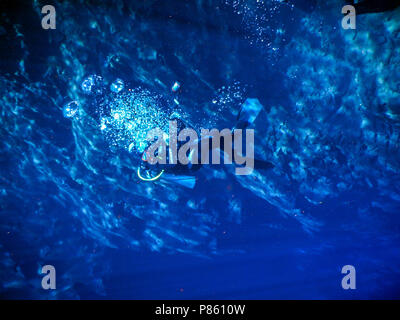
(76, 103)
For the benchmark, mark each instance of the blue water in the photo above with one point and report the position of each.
(69, 193)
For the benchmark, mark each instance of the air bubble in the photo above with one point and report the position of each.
(87, 84)
(117, 86)
(70, 109)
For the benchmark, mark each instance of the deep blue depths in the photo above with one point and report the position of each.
(70, 197)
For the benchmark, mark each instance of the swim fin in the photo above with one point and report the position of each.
(248, 113)
(185, 181)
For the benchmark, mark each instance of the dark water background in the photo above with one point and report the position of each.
(70, 197)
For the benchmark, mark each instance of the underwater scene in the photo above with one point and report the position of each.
(307, 208)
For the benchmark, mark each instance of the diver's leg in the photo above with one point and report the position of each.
(248, 113)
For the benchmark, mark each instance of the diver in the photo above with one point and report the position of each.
(184, 174)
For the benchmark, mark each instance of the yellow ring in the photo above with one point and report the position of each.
(149, 179)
